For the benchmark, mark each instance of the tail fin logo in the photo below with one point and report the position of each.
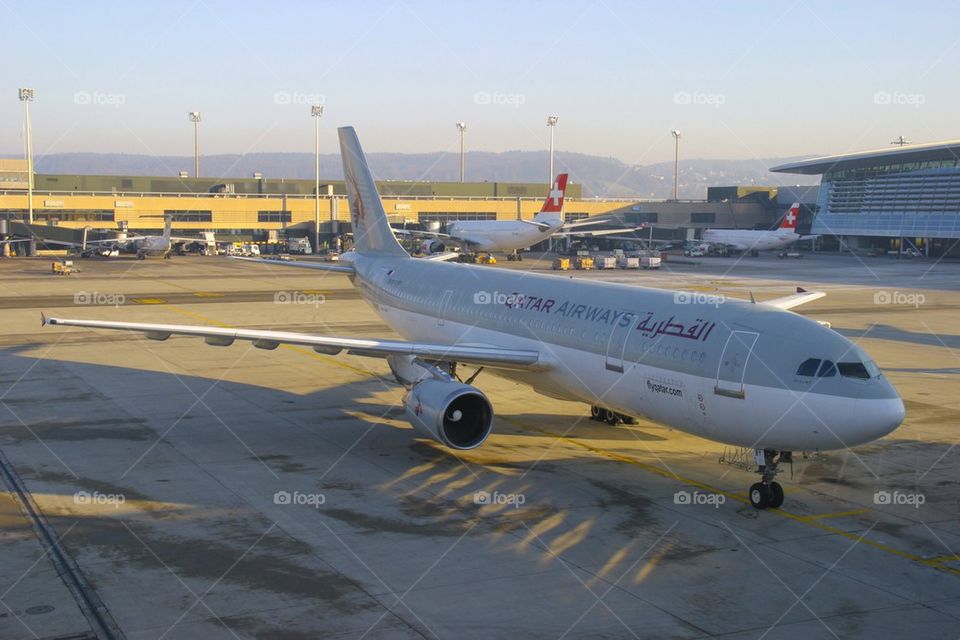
(554, 201)
(790, 220)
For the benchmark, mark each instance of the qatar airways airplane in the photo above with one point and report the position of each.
(738, 372)
(759, 240)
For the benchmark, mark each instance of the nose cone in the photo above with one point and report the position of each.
(876, 417)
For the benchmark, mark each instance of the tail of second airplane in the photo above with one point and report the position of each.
(789, 222)
(551, 212)
(372, 234)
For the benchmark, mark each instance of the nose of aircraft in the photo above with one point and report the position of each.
(877, 417)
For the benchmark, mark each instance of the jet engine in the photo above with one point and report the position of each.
(430, 247)
(450, 412)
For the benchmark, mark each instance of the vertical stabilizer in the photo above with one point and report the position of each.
(371, 229)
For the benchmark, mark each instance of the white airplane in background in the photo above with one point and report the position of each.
(759, 240)
(512, 235)
(139, 245)
(738, 372)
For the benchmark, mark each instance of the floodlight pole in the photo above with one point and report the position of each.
(462, 126)
(317, 112)
(195, 119)
(26, 97)
(552, 123)
(676, 164)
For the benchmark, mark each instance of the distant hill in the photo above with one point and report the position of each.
(600, 176)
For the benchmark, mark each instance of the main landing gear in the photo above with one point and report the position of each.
(515, 256)
(768, 492)
(610, 417)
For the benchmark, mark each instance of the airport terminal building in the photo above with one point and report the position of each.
(267, 210)
(896, 199)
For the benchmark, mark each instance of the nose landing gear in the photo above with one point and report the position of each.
(768, 492)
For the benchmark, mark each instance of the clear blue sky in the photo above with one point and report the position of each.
(741, 80)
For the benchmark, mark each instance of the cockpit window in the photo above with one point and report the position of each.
(854, 370)
(809, 367)
(827, 369)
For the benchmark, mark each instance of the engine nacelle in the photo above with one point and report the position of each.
(431, 247)
(453, 413)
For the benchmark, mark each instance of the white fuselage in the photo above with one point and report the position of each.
(149, 245)
(499, 235)
(752, 240)
(677, 377)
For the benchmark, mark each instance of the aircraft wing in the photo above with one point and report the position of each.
(595, 234)
(320, 266)
(442, 257)
(221, 336)
(796, 299)
(427, 234)
(89, 243)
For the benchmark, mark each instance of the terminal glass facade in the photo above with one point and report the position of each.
(892, 199)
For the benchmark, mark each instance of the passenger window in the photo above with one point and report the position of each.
(827, 369)
(853, 370)
(809, 367)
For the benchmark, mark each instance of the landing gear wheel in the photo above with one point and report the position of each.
(596, 413)
(611, 417)
(759, 495)
(776, 495)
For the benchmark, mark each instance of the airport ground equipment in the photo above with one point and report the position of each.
(63, 267)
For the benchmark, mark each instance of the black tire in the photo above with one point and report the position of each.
(628, 420)
(596, 413)
(612, 418)
(759, 495)
(776, 495)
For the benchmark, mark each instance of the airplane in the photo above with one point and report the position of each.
(743, 373)
(758, 240)
(140, 245)
(511, 235)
